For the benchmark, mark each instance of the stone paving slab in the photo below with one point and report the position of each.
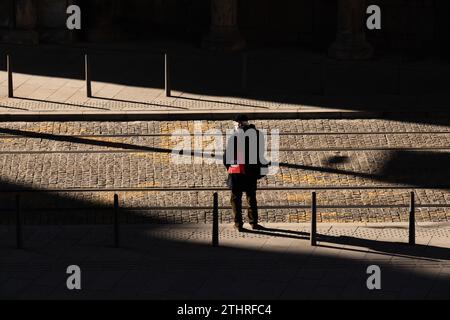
(178, 262)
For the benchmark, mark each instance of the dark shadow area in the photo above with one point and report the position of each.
(39, 207)
(161, 268)
(417, 168)
(191, 270)
(338, 159)
(424, 169)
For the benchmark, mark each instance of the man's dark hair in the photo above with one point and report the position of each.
(240, 118)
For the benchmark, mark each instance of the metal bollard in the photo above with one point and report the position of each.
(10, 76)
(167, 75)
(313, 219)
(215, 226)
(87, 75)
(18, 224)
(244, 72)
(116, 221)
(412, 220)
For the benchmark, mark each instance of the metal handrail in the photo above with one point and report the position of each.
(190, 189)
(215, 212)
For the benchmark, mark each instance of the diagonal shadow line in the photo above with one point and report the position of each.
(63, 103)
(395, 249)
(72, 139)
(300, 233)
(273, 234)
(15, 108)
(143, 103)
(223, 102)
(401, 249)
(332, 170)
(379, 253)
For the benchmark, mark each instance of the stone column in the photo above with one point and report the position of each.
(102, 14)
(7, 13)
(351, 41)
(52, 21)
(26, 19)
(224, 33)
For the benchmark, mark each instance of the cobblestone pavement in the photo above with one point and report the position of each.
(337, 157)
(178, 262)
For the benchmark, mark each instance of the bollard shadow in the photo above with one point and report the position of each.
(279, 233)
(223, 102)
(62, 103)
(278, 230)
(337, 160)
(13, 108)
(397, 249)
(99, 143)
(86, 141)
(141, 103)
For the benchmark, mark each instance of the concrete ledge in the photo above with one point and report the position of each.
(211, 115)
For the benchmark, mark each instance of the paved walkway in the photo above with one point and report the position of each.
(348, 162)
(178, 262)
(48, 80)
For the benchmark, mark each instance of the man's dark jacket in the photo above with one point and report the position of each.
(248, 180)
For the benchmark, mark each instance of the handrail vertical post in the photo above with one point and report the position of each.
(215, 226)
(313, 219)
(167, 77)
(116, 221)
(412, 220)
(10, 76)
(18, 224)
(87, 74)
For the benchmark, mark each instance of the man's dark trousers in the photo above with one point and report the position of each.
(241, 184)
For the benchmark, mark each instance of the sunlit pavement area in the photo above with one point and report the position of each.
(50, 79)
(179, 262)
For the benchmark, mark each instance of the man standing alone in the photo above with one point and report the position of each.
(245, 163)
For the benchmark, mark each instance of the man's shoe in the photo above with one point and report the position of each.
(257, 227)
(239, 228)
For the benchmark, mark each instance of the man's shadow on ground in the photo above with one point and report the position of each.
(398, 249)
